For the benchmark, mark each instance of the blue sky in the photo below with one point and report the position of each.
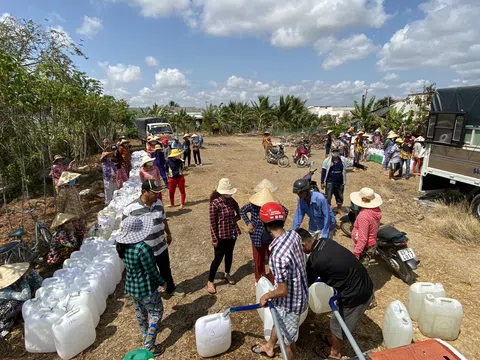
(327, 51)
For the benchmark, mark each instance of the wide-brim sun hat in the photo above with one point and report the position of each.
(158, 147)
(147, 160)
(265, 183)
(262, 197)
(329, 132)
(58, 157)
(175, 153)
(225, 187)
(186, 135)
(66, 177)
(124, 141)
(392, 135)
(105, 154)
(10, 273)
(61, 219)
(399, 140)
(135, 229)
(366, 198)
(420, 139)
(194, 135)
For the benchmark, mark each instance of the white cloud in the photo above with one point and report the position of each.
(121, 73)
(235, 82)
(447, 37)
(341, 51)
(170, 78)
(146, 91)
(390, 77)
(151, 61)
(55, 17)
(379, 85)
(158, 8)
(415, 86)
(91, 26)
(61, 36)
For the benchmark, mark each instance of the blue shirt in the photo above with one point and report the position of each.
(335, 175)
(159, 159)
(321, 217)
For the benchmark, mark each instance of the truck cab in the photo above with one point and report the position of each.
(452, 144)
(153, 126)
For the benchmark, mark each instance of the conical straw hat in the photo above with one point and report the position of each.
(262, 197)
(66, 177)
(61, 219)
(10, 273)
(265, 183)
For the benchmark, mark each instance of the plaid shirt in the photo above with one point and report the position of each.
(223, 224)
(143, 278)
(288, 264)
(254, 219)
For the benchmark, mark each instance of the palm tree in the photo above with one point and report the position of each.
(173, 104)
(384, 102)
(291, 111)
(363, 112)
(222, 122)
(241, 114)
(159, 111)
(208, 116)
(263, 112)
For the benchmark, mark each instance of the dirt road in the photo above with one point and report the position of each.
(241, 159)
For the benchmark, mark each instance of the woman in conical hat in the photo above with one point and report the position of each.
(69, 200)
(58, 168)
(64, 241)
(259, 237)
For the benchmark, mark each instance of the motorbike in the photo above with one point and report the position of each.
(306, 144)
(392, 247)
(309, 175)
(277, 156)
(301, 156)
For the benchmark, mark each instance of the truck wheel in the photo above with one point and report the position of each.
(475, 206)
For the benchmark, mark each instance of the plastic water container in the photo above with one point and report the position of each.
(213, 334)
(108, 271)
(98, 276)
(31, 306)
(74, 332)
(86, 299)
(52, 294)
(440, 317)
(94, 288)
(417, 293)
(69, 274)
(90, 247)
(81, 263)
(38, 330)
(319, 295)
(82, 254)
(397, 327)
(263, 286)
(53, 281)
(114, 261)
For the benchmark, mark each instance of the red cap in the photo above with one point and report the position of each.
(165, 141)
(272, 211)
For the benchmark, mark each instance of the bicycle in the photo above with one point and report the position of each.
(18, 250)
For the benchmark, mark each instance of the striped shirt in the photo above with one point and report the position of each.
(156, 238)
(288, 264)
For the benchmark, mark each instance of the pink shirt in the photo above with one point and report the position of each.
(152, 173)
(364, 234)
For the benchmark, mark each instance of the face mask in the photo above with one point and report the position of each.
(227, 196)
(335, 154)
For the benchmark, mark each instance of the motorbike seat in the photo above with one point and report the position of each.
(390, 233)
(274, 151)
(19, 233)
(6, 248)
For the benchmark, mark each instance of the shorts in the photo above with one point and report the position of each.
(291, 322)
(395, 166)
(350, 316)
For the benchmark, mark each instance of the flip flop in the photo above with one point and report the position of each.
(256, 350)
(323, 353)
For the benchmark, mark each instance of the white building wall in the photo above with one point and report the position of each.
(331, 110)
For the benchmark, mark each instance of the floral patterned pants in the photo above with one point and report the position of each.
(149, 311)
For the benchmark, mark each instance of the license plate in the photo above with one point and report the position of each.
(406, 254)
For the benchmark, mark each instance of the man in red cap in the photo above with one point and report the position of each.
(287, 263)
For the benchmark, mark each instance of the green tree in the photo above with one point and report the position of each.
(263, 112)
(363, 113)
(383, 102)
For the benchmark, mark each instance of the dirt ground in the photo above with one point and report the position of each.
(241, 159)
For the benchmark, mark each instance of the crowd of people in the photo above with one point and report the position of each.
(296, 258)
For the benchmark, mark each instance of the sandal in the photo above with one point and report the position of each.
(373, 304)
(211, 288)
(326, 340)
(323, 353)
(230, 279)
(158, 350)
(256, 350)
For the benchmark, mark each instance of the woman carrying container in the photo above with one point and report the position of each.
(174, 167)
(64, 241)
(143, 281)
(260, 238)
(18, 283)
(109, 172)
(224, 214)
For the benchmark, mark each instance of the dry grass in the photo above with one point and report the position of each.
(454, 222)
(386, 192)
